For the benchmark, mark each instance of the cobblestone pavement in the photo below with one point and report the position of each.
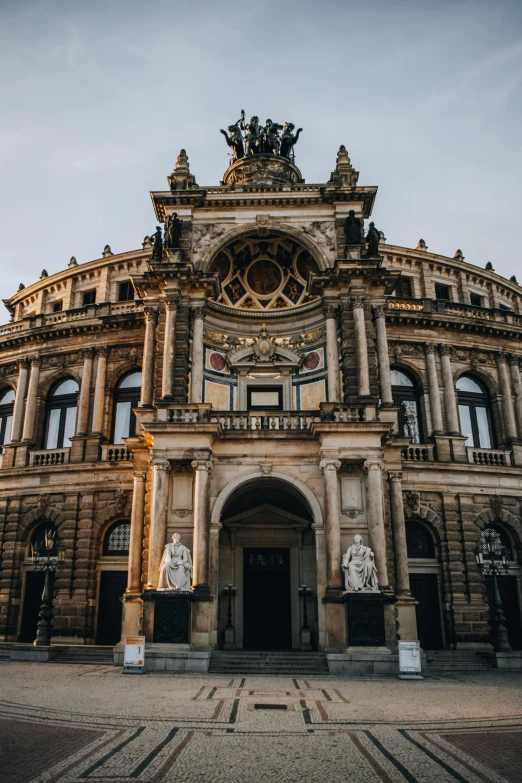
(91, 724)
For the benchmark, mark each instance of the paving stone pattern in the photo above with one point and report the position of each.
(78, 723)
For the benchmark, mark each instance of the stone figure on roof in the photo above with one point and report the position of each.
(372, 240)
(235, 142)
(271, 139)
(157, 245)
(360, 572)
(289, 140)
(353, 229)
(175, 567)
(253, 137)
(172, 232)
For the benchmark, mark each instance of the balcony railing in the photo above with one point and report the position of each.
(262, 419)
(119, 453)
(49, 457)
(266, 420)
(419, 452)
(494, 457)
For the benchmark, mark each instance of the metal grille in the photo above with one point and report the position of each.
(492, 537)
(418, 541)
(117, 541)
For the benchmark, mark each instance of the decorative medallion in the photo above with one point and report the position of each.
(264, 277)
(217, 362)
(312, 360)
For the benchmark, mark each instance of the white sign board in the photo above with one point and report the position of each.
(409, 658)
(134, 654)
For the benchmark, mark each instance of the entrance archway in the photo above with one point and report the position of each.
(267, 550)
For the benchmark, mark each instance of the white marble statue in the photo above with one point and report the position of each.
(175, 566)
(360, 573)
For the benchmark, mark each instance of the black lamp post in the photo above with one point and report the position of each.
(229, 591)
(305, 592)
(491, 557)
(46, 555)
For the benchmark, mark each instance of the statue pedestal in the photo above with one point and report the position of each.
(366, 619)
(305, 639)
(230, 639)
(166, 617)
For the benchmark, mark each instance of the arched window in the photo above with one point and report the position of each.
(117, 538)
(7, 397)
(496, 538)
(61, 414)
(419, 542)
(44, 534)
(406, 397)
(474, 413)
(126, 397)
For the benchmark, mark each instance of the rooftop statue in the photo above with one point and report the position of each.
(353, 227)
(372, 240)
(251, 138)
(157, 245)
(172, 232)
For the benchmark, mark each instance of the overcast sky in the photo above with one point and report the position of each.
(98, 97)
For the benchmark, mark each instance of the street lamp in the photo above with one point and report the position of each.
(304, 591)
(230, 633)
(46, 554)
(491, 557)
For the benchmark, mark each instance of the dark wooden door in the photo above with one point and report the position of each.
(112, 587)
(267, 622)
(34, 585)
(425, 590)
(507, 587)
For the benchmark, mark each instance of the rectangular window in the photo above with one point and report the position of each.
(476, 300)
(5, 429)
(267, 398)
(443, 292)
(70, 426)
(89, 298)
(403, 288)
(53, 427)
(465, 424)
(57, 306)
(483, 427)
(125, 292)
(122, 421)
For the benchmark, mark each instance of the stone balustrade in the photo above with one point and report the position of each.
(419, 452)
(119, 453)
(49, 457)
(492, 457)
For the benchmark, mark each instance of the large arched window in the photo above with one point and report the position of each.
(7, 397)
(117, 538)
(474, 413)
(406, 397)
(419, 542)
(61, 414)
(45, 534)
(495, 537)
(126, 397)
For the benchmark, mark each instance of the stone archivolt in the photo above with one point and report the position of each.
(268, 338)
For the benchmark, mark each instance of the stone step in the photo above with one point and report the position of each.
(269, 662)
(93, 655)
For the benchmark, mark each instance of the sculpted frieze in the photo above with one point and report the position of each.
(130, 352)
(8, 369)
(322, 232)
(203, 235)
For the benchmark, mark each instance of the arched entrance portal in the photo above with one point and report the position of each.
(267, 550)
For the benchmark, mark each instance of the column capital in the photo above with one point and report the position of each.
(330, 310)
(357, 302)
(429, 348)
(198, 310)
(161, 464)
(447, 350)
(395, 476)
(35, 361)
(513, 359)
(151, 313)
(379, 311)
(23, 364)
(171, 303)
(500, 357)
(86, 353)
(139, 475)
(330, 463)
(373, 464)
(202, 464)
(102, 351)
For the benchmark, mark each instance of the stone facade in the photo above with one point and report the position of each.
(269, 417)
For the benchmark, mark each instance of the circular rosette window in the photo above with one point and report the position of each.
(261, 274)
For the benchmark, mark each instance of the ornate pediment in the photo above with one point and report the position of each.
(264, 354)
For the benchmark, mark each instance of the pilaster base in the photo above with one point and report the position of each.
(406, 619)
(93, 448)
(77, 452)
(132, 614)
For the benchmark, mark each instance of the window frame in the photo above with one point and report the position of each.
(6, 412)
(57, 307)
(413, 524)
(129, 288)
(253, 388)
(105, 544)
(85, 294)
(474, 400)
(402, 394)
(61, 402)
(439, 298)
(479, 303)
(399, 293)
(132, 395)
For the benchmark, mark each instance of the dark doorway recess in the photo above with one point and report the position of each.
(34, 585)
(266, 599)
(425, 590)
(507, 587)
(112, 587)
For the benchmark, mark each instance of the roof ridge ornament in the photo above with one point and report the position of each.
(181, 178)
(344, 175)
(251, 138)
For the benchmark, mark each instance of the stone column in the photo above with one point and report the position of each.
(18, 409)
(402, 578)
(136, 532)
(517, 388)
(508, 410)
(361, 347)
(99, 392)
(376, 519)
(202, 469)
(450, 397)
(158, 518)
(434, 390)
(30, 408)
(196, 383)
(167, 381)
(383, 356)
(332, 354)
(85, 392)
(334, 579)
(147, 383)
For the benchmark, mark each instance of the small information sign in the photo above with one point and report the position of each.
(134, 653)
(410, 659)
